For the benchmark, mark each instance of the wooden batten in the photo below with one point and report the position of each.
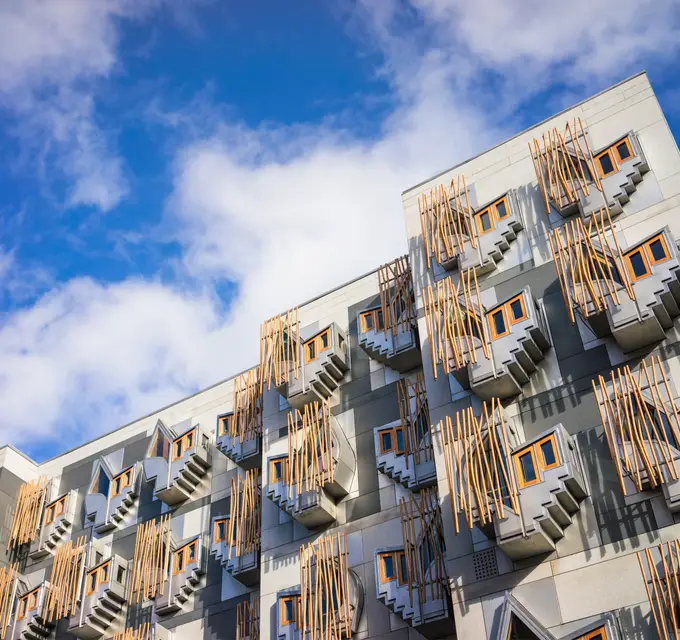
(8, 584)
(279, 349)
(446, 221)
(564, 165)
(248, 620)
(397, 300)
(660, 567)
(588, 258)
(244, 514)
(143, 632)
(634, 408)
(151, 560)
(246, 423)
(421, 528)
(28, 512)
(455, 322)
(478, 470)
(310, 448)
(66, 580)
(414, 410)
(325, 608)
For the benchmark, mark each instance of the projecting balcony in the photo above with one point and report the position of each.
(397, 347)
(57, 521)
(30, 615)
(100, 609)
(245, 451)
(177, 462)
(187, 567)
(426, 609)
(240, 561)
(111, 496)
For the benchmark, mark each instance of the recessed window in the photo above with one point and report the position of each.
(367, 321)
(498, 325)
(96, 577)
(517, 311)
(606, 163)
(183, 444)
(637, 264)
(501, 209)
(541, 455)
(288, 610)
(225, 423)
(595, 634)
(49, 515)
(184, 557)
(526, 467)
(484, 221)
(91, 582)
(623, 150)
(277, 468)
(220, 530)
(393, 567)
(391, 440)
(656, 249)
(372, 320)
(316, 345)
(28, 603)
(120, 575)
(55, 510)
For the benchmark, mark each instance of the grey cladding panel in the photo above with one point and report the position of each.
(9, 483)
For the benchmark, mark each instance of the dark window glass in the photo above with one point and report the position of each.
(192, 552)
(368, 321)
(324, 340)
(657, 250)
(498, 322)
(311, 350)
(637, 263)
(607, 164)
(221, 533)
(516, 308)
(288, 610)
(404, 572)
(548, 453)
(190, 440)
(120, 575)
(501, 209)
(180, 561)
(485, 220)
(277, 469)
(178, 449)
(386, 441)
(388, 567)
(400, 440)
(381, 322)
(623, 150)
(527, 464)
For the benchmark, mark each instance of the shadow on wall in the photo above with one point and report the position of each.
(637, 624)
(222, 623)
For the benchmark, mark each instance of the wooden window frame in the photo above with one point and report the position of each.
(518, 467)
(650, 256)
(492, 325)
(363, 316)
(629, 265)
(395, 440)
(616, 153)
(101, 574)
(216, 530)
(25, 603)
(183, 552)
(504, 199)
(125, 481)
(49, 515)
(285, 620)
(91, 582)
(398, 568)
(183, 447)
(377, 319)
(318, 346)
(608, 151)
(384, 578)
(508, 306)
(492, 219)
(60, 507)
(539, 454)
(272, 466)
(592, 634)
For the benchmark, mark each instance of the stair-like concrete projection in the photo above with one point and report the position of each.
(188, 565)
(245, 567)
(177, 461)
(399, 350)
(102, 604)
(30, 622)
(58, 519)
(246, 451)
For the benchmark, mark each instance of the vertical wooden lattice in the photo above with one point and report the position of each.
(446, 221)
(151, 559)
(244, 514)
(660, 567)
(564, 165)
(478, 473)
(65, 580)
(248, 620)
(8, 583)
(143, 632)
(28, 512)
(324, 589)
(310, 448)
(421, 530)
(246, 423)
(396, 295)
(415, 419)
(641, 422)
(589, 264)
(279, 353)
(455, 322)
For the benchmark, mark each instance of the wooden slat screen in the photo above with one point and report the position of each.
(143, 632)
(413, 392)
(421, 529)
(151, 560)
(446, 227)
(588, 259)
(455, 322)
(564, 164)
(248, 620)
(28, 512)
(325, 610)
(244, 513)
(660, 567)
(641, 423)
(396, 295)
(66, 580)
(310, 448)
(478, 470)
(279, 349)
(247, 420)
(8, 583)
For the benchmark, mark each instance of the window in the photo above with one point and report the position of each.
(183, 444)
(495, 212)
(120, 574)
(28, 603)
(651, 252)
(498, 325)
(289, 607)
(393, 566)
(316, 345)
(55, 510)
(517, 310)
(184, 557)
(484, 221)
(501, 208)
(98, 576)
(539, 455)
(120, 482)
(49, 516)
(220, 530)
(637, 264)
(278, 468)
(509, 313)
(596, 634)
(225, 423)
(372, 320)
(656, 249)
(606, 163)
(391, 440)
(623, 150)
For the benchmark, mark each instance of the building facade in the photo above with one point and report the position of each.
(480, 439)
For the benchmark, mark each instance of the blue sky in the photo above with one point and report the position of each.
(157, 165)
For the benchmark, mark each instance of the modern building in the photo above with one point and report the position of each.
(478, 440)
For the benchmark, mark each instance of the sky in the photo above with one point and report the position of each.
(172, 174)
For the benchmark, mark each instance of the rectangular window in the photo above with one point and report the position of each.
(606, 163)
(277, 469)
(595, 634)
(498, 324)
(485, 222)
(517, 310)
(288, 614)
(391, 440)
(367, 321)
(120, 575)
(183, 444)
(60, 507)
(91, 582)
(636, 262)
(225, 423)
(393, 567)
(623, 150)
(656, 249)
(33, 600)
(501, 208)
(314, 346)
(21, 612)
(220, 531)
(49, 516)
(527, 469)
(541, 455)
(184, 557)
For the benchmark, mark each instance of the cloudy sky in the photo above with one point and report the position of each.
(159, 166)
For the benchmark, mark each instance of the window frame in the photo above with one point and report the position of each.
(608, 151)
(223, 421)
(602, 631)
(650, 256)
(125, 478)
(539, 453)
(508, 306)
(399, 575)
(492, 325)
(318, 345)
(189, 435)
(216, 529)
(395, 440)
(102, 575)
(183, 552)
(492, 220)
(283, 614)
(272, 465)
(629, 265)
(523, 482)
(25, 600)
(625, 140)
(537, 459)
(504, 200)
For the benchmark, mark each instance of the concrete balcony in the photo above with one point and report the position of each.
(100, 610)
(177, 462)
(29, 620)
(431, 618)
(57, 521)
(247, 453)
(109, 510)
(185, 575)
(245, 567)
(399, 349)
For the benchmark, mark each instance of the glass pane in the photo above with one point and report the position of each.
(657, 250)
(288, 610)
(190, 440)
(311, 351)
(192, 552)
(388, 567)
(485, 220)
(91, 581)
(400, 440)
(104, 573)
(637, 263)
(368, 321)
(221, 534)
(116, 489)
(501, 209)
(623, 150)
(527, 465)
(381, 322)
(516, 309)
(386, 441)
(178, 449)
(179, 561)
(498, 322)
(404, 572)
(324, 340)
(277, 469)
(606, 163)
(548, 453)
